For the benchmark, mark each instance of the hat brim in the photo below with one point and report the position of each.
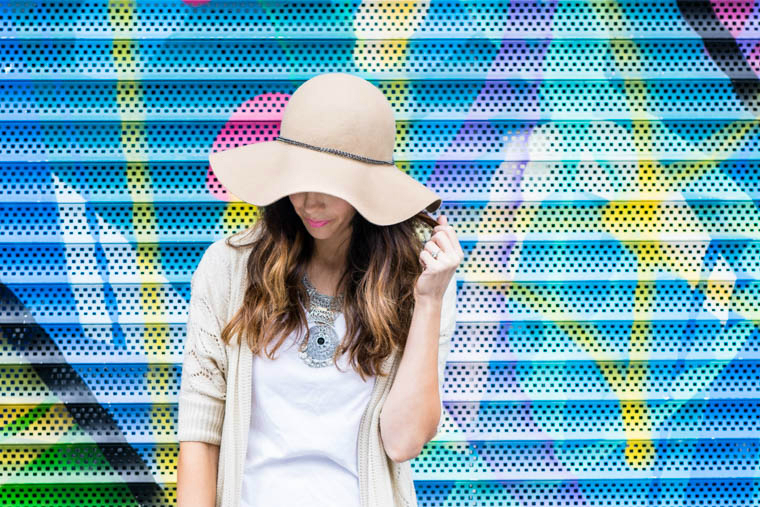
(263, 172)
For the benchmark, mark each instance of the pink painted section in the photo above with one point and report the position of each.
(733, 14)
(256, 120)
(753, 56)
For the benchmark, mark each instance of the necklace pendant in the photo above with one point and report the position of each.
(321, 346)
(323, 339)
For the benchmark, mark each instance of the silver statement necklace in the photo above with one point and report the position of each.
(323, 340)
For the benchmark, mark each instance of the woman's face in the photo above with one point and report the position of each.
(316, 208)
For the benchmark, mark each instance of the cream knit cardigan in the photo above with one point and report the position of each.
(215, 387)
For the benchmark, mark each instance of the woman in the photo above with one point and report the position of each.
(316, 339)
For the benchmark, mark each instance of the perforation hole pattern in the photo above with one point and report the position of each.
(598, 161)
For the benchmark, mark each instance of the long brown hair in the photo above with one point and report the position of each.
(381, 271)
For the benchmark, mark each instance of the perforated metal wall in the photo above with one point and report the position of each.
(599, 160)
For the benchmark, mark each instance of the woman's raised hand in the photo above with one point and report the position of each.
(438, 271)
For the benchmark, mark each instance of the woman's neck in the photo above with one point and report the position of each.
(324, 277)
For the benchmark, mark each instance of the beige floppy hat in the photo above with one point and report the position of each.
(336, 137)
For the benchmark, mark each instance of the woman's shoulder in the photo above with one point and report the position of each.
(228, 252)
(245, 237)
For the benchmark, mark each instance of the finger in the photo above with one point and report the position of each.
(452, 236)
(445, 227)
(432, 247)
(426, 259)
(443, 242)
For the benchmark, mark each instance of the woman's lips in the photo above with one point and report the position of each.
(316, 224)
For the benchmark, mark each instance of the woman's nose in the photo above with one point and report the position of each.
(314, 198)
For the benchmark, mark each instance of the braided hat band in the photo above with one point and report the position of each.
(334, 151)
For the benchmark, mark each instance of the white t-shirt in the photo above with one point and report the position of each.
(303, 440)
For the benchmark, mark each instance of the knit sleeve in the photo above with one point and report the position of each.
(448, 324)
(204, 368)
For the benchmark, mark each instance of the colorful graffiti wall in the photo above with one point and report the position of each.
(599, 160)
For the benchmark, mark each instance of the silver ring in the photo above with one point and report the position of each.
(435, 254)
